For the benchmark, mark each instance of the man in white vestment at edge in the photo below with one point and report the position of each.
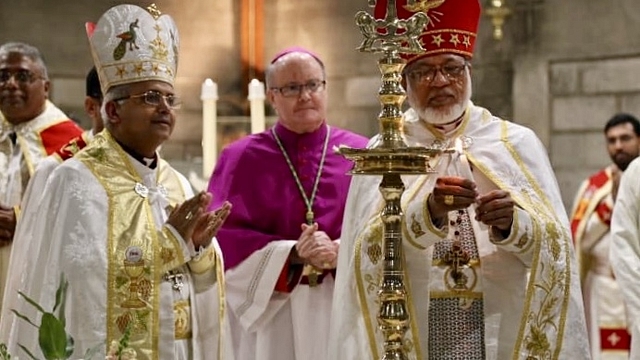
(31, 128)
(23, 258)
(489, 267)
(137, 248)
(605, 311)
(624, 252)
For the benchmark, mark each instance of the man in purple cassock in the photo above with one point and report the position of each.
(288, 188)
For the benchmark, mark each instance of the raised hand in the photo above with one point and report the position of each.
(186, 216)
(7, 225)
(451, 193)
(208, 225)
(496, 208)
(316, 248)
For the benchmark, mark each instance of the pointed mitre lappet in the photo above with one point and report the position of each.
(130, 44)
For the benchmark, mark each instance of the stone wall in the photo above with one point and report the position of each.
(578, 66)
(564, 67)
(209, 32)
(585, 94)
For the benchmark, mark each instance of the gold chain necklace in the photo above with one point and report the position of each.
(310, 216)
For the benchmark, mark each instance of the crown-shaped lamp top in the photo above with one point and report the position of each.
(452, 25)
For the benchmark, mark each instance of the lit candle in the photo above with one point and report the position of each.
(464, 170)
(464, 167)
(256, 99)
(209, 97)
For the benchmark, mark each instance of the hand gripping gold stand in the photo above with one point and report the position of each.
(391, 157)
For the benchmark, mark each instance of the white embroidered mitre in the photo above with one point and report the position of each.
(130, 44)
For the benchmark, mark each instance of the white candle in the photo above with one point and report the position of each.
(464, 166)
(464, 169)
(256, 99)
(209, 97)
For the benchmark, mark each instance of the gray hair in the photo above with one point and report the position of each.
(272, 68)
(115, 92)
(28, 51)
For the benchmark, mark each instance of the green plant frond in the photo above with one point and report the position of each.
(4, 353)
(28, 352)
(23, 317)
(61, 299)
(92, 351)
(30, 301)
(70, 344)
(52, 337)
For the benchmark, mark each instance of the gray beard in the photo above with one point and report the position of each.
(438, 117)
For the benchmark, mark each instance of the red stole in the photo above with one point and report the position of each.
(590, 199)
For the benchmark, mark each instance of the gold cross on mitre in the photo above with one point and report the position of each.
(423, 5)
(153, 10)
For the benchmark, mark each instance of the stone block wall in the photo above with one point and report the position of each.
(584, 96)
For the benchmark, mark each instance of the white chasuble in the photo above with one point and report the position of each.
(529, 282)
(102, 227)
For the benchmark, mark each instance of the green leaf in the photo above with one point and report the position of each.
(70, 343)
(61, 299)
(28, 352)
(30, 301)
(52, 337)
(23, 317)
(92, 351)
(4, 353)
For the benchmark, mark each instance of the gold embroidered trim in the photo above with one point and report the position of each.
(412, 310)
(136, 261)
(182, 319)
(414, 190)
(553, 237)
(362, 295)
(536, 344)
(474, 263)
(455, 31)
(455, 294)
(525, 171)
(536, 325)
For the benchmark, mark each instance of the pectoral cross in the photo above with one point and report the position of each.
(176, 280)
(312, 273)
(310, 217)
(458, 258)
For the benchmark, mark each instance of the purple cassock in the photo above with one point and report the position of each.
(253, 175)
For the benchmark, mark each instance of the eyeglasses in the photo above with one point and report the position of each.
(155, 98)
(22, 77)
(293, 90)
(426, 75)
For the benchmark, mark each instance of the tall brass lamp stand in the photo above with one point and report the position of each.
(391, 157)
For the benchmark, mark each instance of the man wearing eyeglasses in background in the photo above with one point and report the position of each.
(280, 243)
(33, 128)
(489, 267)
(24, 251)
(137, 248)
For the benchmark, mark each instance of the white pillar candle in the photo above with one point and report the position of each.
(256, 99)
(464, 170)
(209, 97)
(464, 166)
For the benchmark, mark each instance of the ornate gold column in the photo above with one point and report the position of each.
(391, 157)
